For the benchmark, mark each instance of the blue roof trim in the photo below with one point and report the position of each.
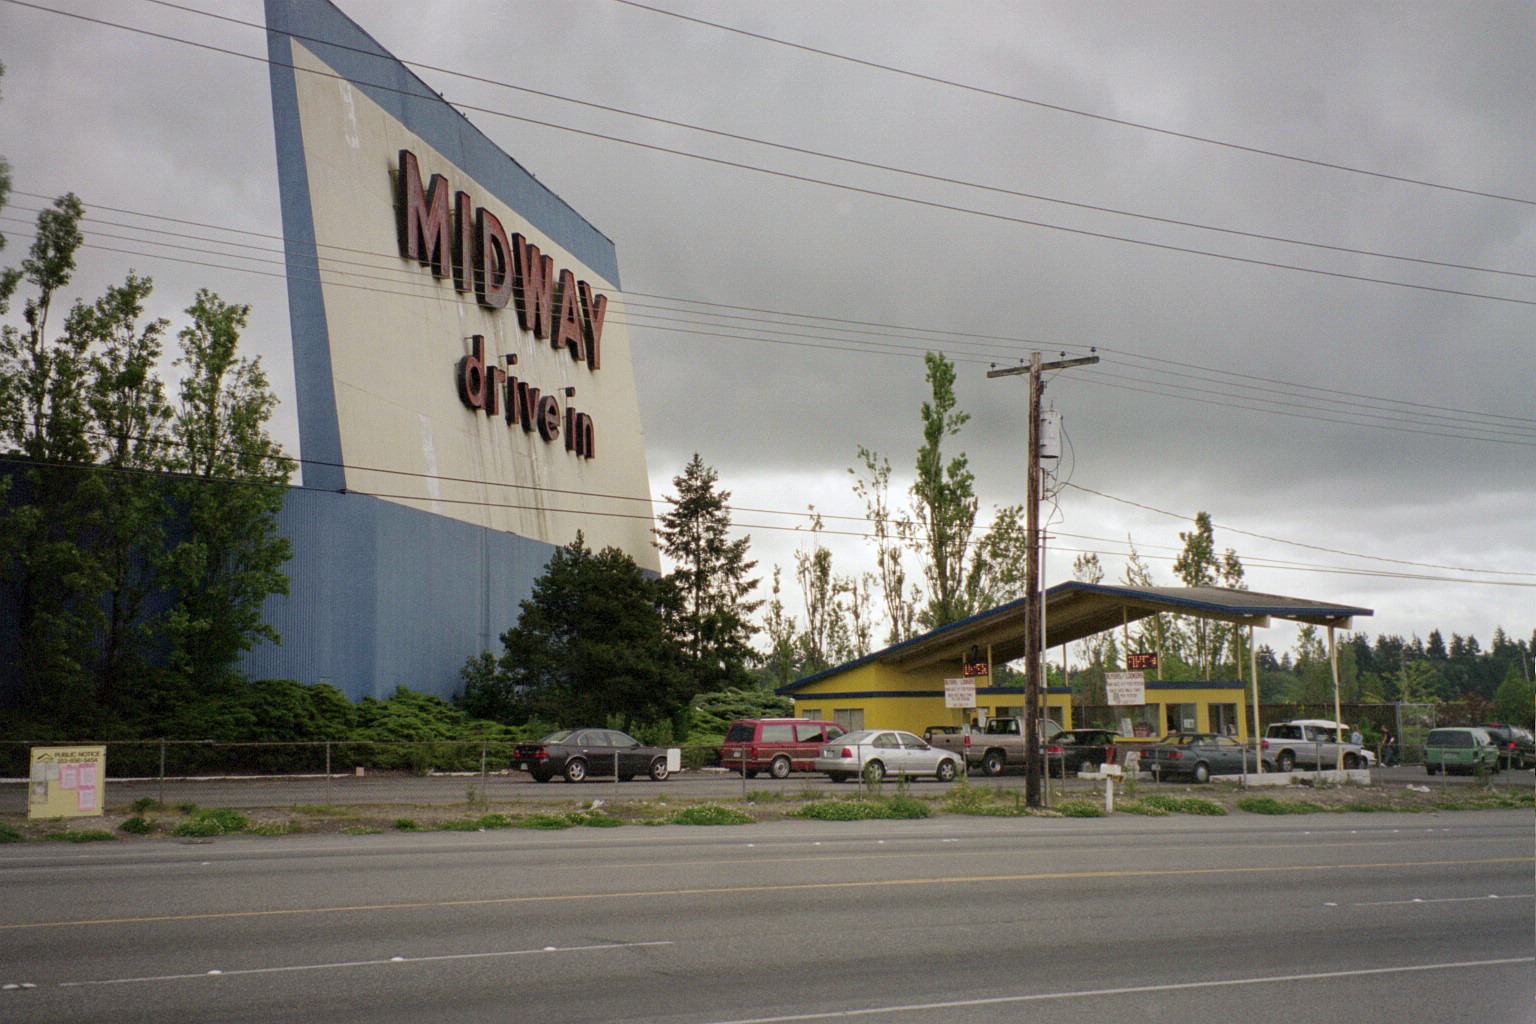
(1280, 608)
(337, 40)
(868, 694)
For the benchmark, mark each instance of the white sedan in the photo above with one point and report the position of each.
(876, 753)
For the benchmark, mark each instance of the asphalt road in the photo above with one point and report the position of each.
(1358, 918)
(513, 788)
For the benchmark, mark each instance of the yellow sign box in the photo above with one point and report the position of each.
(67, 782)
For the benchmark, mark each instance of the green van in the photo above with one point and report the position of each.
(1460, 750)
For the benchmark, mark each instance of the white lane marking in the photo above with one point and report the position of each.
(365, 963)
(1444, 899)
(871, 1011)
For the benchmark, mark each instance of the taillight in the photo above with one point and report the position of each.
(1263, 744)
(540, 755)
(1053, 750)
(1173, 755)
(847, 753)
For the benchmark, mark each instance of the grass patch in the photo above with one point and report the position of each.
(361, 830)
(137, 826)
(270, 828)
(865, 809)
(407, 825)
(1487, 800)
(215, 821)
(1080, 809)
(1183, 804)
(983, 801)
(9, 834)
(81, 835)
(323, 811)
(547, 822)
(146, 803)
(711, 814)
(1269, 805)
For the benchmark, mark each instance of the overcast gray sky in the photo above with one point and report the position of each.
(1298, 235)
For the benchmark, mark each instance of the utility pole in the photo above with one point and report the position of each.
(1034, 642)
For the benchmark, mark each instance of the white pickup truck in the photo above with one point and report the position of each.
(1312, 743)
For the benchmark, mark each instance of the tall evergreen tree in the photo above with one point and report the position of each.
(712, 575)
(592, 644)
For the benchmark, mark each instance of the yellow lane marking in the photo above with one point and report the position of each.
(1042, 876)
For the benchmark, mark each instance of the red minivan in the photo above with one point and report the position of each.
(777, 746)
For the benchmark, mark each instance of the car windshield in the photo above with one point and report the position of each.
(558, 737)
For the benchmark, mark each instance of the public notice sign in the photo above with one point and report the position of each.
(67, 782)
(1125, 688)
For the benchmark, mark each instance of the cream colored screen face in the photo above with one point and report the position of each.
(399, 334)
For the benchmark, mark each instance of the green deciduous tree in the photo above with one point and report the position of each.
(712, 576)
(44, 418)
(230, 482)
(943, 500)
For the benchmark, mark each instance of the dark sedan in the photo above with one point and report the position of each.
(1517, 748)
(1198, 755)
(1075, 750)
(578, 753)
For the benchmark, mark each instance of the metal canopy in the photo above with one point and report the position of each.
(1074, 610)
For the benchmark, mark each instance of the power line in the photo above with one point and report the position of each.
(896, 197)
(1104, 118)
(1375, 411)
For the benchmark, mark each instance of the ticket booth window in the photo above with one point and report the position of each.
(1224, 719)
(1183, 717)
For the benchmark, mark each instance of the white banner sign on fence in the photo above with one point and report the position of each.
(1125, 687)
(959, 693)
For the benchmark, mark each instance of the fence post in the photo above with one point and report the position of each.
(485, 796)
(327, 773)
(161, 798)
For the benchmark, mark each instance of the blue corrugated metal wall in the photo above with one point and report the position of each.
(382, 596)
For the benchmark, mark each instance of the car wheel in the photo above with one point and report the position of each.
(780, 768)
(1202, 772)
(992, 763)
(575, 770)
(946, 771)
(874, 772)
(659, 770)
(1351, 762)
(1431, 769)
(1286, 761)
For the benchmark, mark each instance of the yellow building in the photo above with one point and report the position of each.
(903, 686)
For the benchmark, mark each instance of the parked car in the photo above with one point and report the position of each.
(876, 753)
(1517, 747)
(579, 753)
(776, 745)
(1460, 750)
(1198, 755)
(1075, 750)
